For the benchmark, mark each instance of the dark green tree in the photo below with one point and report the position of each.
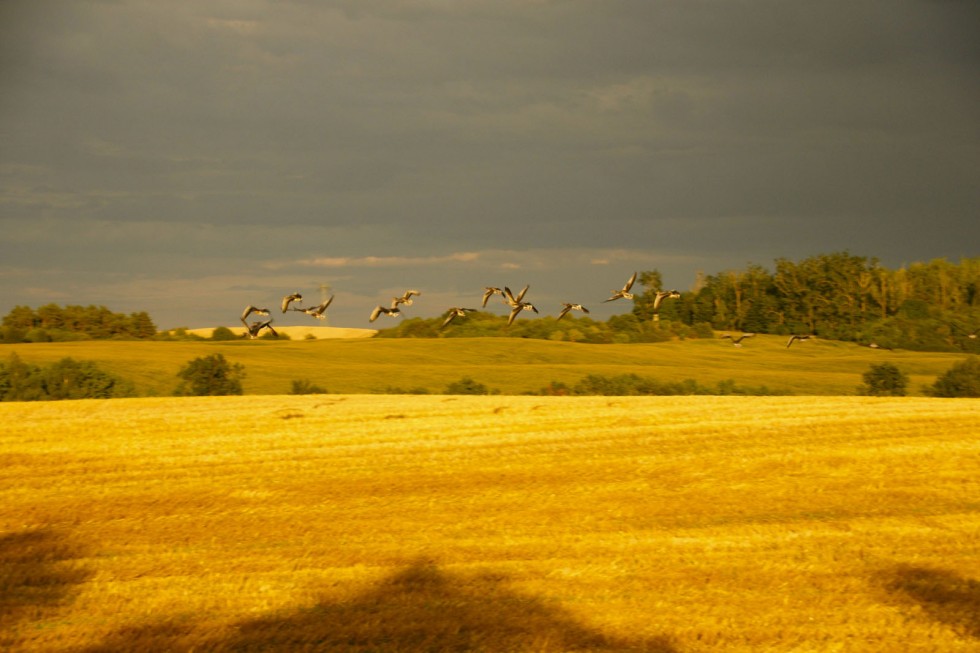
(71, 379)
(884, 380)
(466, 386)
(223, 333)
(210, 375)
(961, 380)
(306, 387)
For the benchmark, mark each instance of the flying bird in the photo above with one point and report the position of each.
(794, 338)
(316, 311)
(253, 309)
(405, 299)
(489, 292)
(252, 331)
(455, 312)
(517, 308)
(875, 345)
(289, 299)
(625, 292)
(565, 308)
(394, 311)
(514, 300)
(738, 341)
(661, 296)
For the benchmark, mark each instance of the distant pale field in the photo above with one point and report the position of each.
(298, 332)
(448, 523)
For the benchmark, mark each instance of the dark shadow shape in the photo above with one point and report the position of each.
(39, 571)
(943, 595)
(418, 609)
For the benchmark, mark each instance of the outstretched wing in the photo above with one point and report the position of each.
(629, 284)
(520, 295)
(375, 313)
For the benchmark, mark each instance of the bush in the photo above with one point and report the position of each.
(66, 379)
(223, 333)
(306, 387)
(210, 375)
(467, 386)
(961, 380)
(884, 380)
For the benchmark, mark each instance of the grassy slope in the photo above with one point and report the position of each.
(512, 366)
(681, 524)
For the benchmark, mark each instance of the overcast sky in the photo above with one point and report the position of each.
(187, 158)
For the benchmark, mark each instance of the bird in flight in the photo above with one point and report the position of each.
(794, 338)
(489, 292)
(455, 312)
(404, 299)
(253, 309)
(565, 308)
(289, 299)
(394, 311)
(661, 296)
(738, 341)
(252, 330)
(625, 292)
(316, 311)
(513, 300)
(517, 308)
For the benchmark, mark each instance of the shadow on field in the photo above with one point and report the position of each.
(39, 570)
(417, 609)
(943, 595)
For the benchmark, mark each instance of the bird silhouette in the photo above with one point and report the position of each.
(289, 299)
(252, 330)
(489, 292)
(661, 296)
(253, 309)
(625, 292)
(455, 312)
(565, 308)
(316, 311)
(794, 338)
(738, 341)
(517, 308)
(513, 300)
(405, 299)
(393, 311)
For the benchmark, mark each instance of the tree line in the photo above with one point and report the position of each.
(932, 306)
(58, 323)
(924, 306)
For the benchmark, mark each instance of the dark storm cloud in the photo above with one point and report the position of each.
(204, 140)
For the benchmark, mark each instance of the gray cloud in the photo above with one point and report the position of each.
(184, 140)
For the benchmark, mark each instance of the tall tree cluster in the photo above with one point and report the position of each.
(53, 322)
(934, 305)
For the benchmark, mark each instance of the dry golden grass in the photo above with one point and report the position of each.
(440, 523)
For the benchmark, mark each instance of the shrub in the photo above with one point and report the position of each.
(223, 333)
(306, 387)
(884, 380)
(961, 380)
(66, 379)
(210, 375)
(467, 386)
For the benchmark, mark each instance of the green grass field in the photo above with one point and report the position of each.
(512, 366)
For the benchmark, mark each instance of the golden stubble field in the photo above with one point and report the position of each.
(446, 523)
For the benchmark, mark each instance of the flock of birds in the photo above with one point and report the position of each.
(514, 301)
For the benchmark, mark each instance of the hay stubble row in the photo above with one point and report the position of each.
(355, 522)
